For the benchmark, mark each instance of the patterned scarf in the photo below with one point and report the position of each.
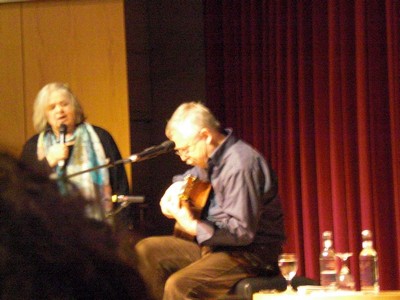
(87, 152)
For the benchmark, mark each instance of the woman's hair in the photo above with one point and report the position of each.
(49, 249)
(42, 100)
(193, 113)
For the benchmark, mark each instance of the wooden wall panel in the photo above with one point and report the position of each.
(12, 120)
(79, 42)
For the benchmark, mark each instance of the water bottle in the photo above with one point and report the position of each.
(327, 261)
(369, 278)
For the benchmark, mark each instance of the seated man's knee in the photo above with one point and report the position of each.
(177, 284)
(146, 247)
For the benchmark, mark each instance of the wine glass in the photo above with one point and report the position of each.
(288, 265)
(345, 280)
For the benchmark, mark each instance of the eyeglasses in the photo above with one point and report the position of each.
(183, 151)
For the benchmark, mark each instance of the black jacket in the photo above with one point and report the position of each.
(118, 179)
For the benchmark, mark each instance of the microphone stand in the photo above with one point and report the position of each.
(106, 165)
(64, 177)
(146, 154)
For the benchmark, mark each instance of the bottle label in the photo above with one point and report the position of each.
(368, 272)
(328, 271)
(328, 278)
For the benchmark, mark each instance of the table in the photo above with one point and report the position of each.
(384, 295)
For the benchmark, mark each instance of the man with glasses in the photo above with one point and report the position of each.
(239, 232)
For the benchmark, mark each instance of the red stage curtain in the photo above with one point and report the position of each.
(315, 86)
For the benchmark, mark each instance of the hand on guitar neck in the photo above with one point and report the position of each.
(184, 201)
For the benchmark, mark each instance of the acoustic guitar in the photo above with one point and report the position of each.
(194, 197)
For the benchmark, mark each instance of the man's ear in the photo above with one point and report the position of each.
(205, 133)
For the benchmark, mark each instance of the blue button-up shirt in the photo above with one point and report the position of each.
(243, 207)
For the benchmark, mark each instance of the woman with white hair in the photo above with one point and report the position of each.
(81, 147)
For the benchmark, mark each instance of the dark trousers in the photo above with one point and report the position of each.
(175, 269)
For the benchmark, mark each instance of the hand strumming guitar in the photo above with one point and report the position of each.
(171, 207)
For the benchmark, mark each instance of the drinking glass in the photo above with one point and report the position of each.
(345, 280)
(288, 265)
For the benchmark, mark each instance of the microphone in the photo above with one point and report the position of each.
(62, 131)
(127, 199)
(153, 151)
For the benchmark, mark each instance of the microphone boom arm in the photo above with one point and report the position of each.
(151, 152)
(107, 165)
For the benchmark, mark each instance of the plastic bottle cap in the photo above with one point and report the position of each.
(366, 234)
(327, 235)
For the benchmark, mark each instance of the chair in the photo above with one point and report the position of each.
(245, 288)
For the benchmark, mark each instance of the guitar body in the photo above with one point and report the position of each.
(194, 197)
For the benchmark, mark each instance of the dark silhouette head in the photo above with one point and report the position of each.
(50, 249)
